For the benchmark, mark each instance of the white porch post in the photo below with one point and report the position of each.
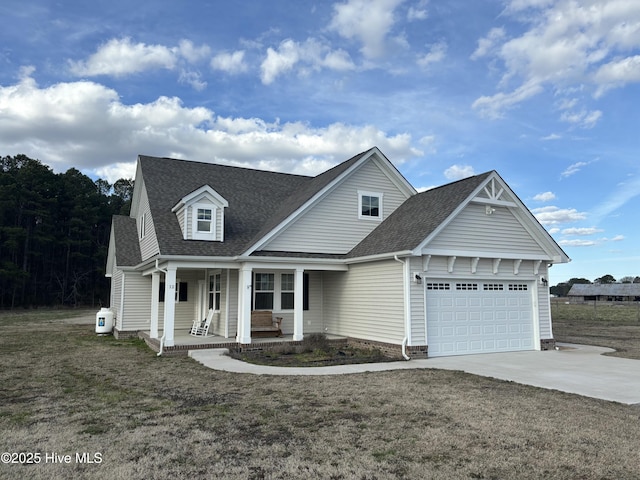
(155, 304)
(298, 304)
(244, 305)
(169, 305)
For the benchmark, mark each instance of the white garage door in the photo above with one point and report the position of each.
(471, 316)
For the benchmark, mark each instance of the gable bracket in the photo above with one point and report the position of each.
(536, 266)
(425, 262)
(474, 264)
(450, 263)
(496, 264)
(516, 266)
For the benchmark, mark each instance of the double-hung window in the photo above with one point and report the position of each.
(287, 287)
(214, 291)
(264, 291)
(205, 220)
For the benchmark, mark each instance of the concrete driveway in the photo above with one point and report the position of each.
(579, 369)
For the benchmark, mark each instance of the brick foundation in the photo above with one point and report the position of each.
(389, 349)
(547, 343)
(123, 335)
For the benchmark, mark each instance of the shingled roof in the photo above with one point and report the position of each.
(258, 200)
(412, 222)
(126, 238)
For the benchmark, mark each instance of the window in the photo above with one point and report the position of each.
(438, 286)
(143, 226)
(214, 291)
(264, 291)
(181, 291)
(466, 286)
(517, 286)
(205, 216)
(493, 286)
(370, 205)
(287, 286)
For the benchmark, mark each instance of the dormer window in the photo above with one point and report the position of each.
(201, 215)
(203, 221)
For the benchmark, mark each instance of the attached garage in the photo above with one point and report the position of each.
(478, 316)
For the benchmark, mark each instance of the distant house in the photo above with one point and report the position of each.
(354, 252)
(605, 292)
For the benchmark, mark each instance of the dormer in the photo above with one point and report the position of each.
(201, 215)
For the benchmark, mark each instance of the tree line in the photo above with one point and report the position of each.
(54, 234)
(562, 289)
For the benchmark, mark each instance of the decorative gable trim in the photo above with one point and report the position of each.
(494, 192)
(201, 214)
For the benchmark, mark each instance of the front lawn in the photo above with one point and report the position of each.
(65, 390)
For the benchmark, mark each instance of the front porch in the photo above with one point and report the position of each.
(183, 342)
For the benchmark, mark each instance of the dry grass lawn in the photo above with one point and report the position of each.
(66, 390)
(605, 325)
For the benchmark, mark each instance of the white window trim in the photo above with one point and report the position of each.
(277, 289)
(195, 234)
(214, 291)
(142, 230)
(362, 193)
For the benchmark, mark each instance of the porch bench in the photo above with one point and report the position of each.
(264, 325)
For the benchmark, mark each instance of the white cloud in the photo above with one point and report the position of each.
(574, 168)
(85, 125)
(582, 231)
(577, 243)
(232, 63)
(367, 21)
(436, 54)
(487, 44)
(192, 78)
(120, 57)
(582, 118)
(418, 12)
(458, 172)
(311, 54)
(565, 44)
(545, 197)
(554, 216)
(617, 73)
(551, 136)
(624, 192)
(618, 238)
(191, 53)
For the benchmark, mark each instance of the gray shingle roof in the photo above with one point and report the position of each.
(126, 238)
(608, 289)
(258, 200)
(416, 218)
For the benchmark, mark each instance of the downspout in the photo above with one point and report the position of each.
(164, 330)
(404, 281)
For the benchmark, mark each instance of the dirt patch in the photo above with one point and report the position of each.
(299, 357)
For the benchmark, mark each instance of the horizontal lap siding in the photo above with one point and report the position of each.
(418, 326)
(313, 318)
(332, 225)
(366, 302)
(137, 302)
(544, 306)
(116, 289)
(500, 232)
(149, 244)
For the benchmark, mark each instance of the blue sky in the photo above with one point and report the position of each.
(545, 92)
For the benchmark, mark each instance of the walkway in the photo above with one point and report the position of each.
(578, 369)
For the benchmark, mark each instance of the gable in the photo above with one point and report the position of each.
(478, 234)
(334, 223)
(493, 221)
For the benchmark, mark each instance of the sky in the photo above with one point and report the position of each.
(545, 92)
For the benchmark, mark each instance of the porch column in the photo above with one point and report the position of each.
(169, 305)
(298, 304)
(244, 305)
(155, 304)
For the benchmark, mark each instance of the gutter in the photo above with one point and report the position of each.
(405, 340)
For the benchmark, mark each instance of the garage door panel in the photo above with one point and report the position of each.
(473, 317)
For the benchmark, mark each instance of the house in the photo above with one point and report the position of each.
(354, 252)
(604, 292)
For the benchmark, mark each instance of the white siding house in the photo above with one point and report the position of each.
(354, 252)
